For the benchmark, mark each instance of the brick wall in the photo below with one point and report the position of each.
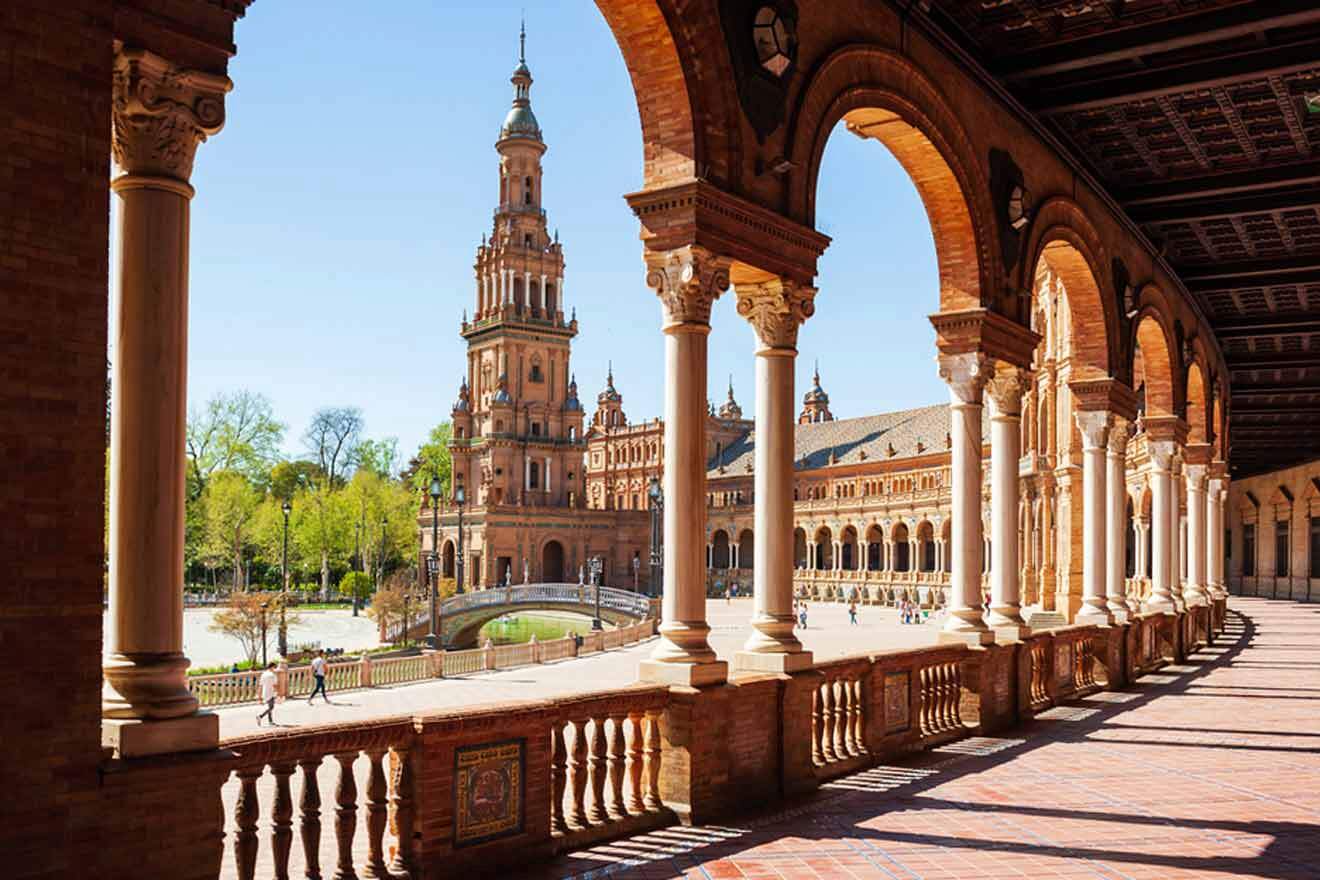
(54, 214)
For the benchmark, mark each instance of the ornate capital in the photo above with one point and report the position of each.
(776, 309)
(1006, 388)
(1119, 434)
(966, 374)
(1094, 426)
(688, 280)
(1162, 453)
(161, 113)
(1195, 476)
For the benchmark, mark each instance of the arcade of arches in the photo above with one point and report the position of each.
(1106, 385)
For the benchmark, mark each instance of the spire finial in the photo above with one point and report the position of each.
(609, 372)
(816, 375)
(522, 40)
(731, 386)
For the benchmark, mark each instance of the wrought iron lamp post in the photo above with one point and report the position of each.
(657, 497)
(459, 499)
(595, 567)
(286, 508)
(357, 561)
(433, 565)
(380, 557)
(264, 606)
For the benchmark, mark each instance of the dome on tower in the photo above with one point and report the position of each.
(816, 394)
(502, 391)
(730, 410)
(464, 402)
(572, 404)
(609, 395)
(521, 121)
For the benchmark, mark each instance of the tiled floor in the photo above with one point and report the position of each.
(1210, 769)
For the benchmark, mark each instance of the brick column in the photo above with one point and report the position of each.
(775, 308)
(160, 113)
(688, 281)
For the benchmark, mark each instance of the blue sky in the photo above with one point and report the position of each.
(338, 213)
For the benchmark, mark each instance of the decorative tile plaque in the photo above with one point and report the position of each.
(1063, 662)
(489, 789)
(897, 702)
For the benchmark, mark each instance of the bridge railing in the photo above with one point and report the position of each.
(236, 688)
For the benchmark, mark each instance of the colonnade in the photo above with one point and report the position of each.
(496, 290)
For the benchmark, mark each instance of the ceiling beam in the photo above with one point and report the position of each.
(1275, 272)
(1138, 42)
(1293, 198)
(1278, 324)
(1291, 360)
(1308, 387)
(1155, 82)
(1256, 179)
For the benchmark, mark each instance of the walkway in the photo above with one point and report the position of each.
(829, 635)
(1207, 770)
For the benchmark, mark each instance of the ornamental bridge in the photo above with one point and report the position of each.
(463, 616)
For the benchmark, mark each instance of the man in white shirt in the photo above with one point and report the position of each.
(268, 695)
(318, 670)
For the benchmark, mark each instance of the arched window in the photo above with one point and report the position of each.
(527, 190)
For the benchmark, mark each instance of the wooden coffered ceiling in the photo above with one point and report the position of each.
(1194, 115)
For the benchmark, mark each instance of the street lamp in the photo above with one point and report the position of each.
(657, 497)
(433, 563)
(264, 605)
(459, 498)
(636, 567)
(287, 508)
(380, 557)
(595, 566)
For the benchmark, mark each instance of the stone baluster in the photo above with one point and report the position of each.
(825, 693)
(652, 759)
(844, 735)
(577, 766)
(817, 726)
(859, 717)
(635, 737)
(617, 761)
(596, 772)
(377, 815)
(345, 816)
(688, 281)
(558, 778)
(246, 813)
(403, 811)
(309, 818)
(281, 820)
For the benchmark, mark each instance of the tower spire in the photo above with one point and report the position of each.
(522, 40)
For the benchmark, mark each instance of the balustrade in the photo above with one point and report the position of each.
(940, 708)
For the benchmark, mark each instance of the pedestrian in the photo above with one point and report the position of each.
(852, 612)
(728, 595)
(802, 615)
(318, 672)
(268, 695)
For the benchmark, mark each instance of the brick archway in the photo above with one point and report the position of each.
(1198, 411)
(1153, 364)
(880, 94)
(1068, 243)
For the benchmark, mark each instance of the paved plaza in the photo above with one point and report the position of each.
(1209, 769)
(828, 634)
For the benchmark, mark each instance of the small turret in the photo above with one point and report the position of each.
(730, 410)
(609, 404)
(815, 403)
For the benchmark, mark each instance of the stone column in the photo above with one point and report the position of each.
(1175, 531)
(1214, 545)
(966, 374)
(775, 310)
(1138, 561)
(1116, 520)
(1005, 391)
(688, 281)
(160, 113)
(1094, 426)
(1196, 593)
(541, 296)
(1161, 523)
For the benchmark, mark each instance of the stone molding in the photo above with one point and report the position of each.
(1166, 428)
(161, 113)
(966, 374)
(981, 330)
(688, 280)
(776, 309)
(1104, 394)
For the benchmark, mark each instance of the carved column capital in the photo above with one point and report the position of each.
(1094, 426)
(688, 280)
(776, 309)
(1161, 454)
(1119, 434)
(966, 373)
(1006, 388)
(1195, 475)
(161, 113)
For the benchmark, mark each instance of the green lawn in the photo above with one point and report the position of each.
(518, 628)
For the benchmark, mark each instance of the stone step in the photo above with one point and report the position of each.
(1043, 620)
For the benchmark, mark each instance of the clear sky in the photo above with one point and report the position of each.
(338, 213)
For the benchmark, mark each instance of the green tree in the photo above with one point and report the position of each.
(288, 478)
(232, 432)
(356, 584)
(432, 458)
(387, 512)
(230, 504)
(381, 457)
(333, 440)
(322, 525)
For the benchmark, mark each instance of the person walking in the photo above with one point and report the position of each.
(318, 672)
(802, 615)
(852, 612)
(268, 695)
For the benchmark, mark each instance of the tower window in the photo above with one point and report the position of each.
(527, 190)
(527, 240)
(536, 429)
(536, 375)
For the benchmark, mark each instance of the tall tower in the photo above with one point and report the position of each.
(525, 420)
